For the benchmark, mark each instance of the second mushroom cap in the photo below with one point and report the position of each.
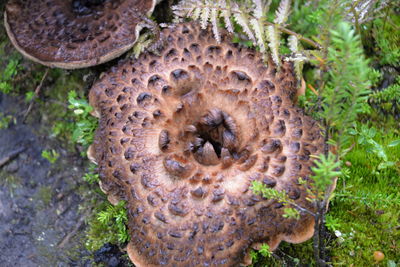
(74, 33)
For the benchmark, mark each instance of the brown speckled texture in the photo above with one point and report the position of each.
(182, 135)
(74, 33)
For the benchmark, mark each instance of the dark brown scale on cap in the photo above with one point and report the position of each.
(226, 120)
(74, 34)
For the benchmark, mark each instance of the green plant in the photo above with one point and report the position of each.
(108, 225)
(387, 38)
(346, 92)
(51, 155)
(8, 74)
(29, 96)
(387, 99)
(5, 120)
(365, 137)
(85, 123)
(91, 176)
(264, 251)
(332, 223)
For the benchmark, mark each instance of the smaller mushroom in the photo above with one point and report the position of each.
(379, 256)
(74, 34)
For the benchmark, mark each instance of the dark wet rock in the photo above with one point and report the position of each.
(110, 255)
(11, 167)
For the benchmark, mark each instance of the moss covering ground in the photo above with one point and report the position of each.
(366, 209)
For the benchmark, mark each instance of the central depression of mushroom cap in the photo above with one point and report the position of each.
(181, 137)
(74, 33)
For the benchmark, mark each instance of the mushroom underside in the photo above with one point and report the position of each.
(181, 138)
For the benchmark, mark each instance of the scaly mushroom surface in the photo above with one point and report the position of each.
(74, 33)
(181, 137)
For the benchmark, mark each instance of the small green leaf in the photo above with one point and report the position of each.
(394, 143)
(265, 250)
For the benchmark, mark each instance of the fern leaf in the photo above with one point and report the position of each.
(258, 9)
(242, 20)
(282, 12)
(298, 61)
(273, 38)
(226, 14)
(259, 33)
(293, 43)
(214, 22)
(195, 14)
(183, 9)
(204, 17)
(144, 41)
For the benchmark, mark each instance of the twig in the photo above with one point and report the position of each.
(298, 36)
(71, 234)
(37, 90)
(11, 156)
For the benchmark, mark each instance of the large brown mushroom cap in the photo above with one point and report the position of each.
(74, 33)
(181, 137)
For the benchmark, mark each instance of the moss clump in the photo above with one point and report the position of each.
(107, 224)
(44, 195)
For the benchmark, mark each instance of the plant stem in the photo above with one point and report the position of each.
(298, 36)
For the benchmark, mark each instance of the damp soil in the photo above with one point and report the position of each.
(40, 207)
(43, 205)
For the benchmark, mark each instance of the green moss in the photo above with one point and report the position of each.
(44, 194)
(366, 208)
(51, 155)
(6, 120)
(107, 224)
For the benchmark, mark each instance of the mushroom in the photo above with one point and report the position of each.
(181, 137)
(74, 34)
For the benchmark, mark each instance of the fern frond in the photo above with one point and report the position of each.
(282, 13)
(298, 60)
(258, 9)
(183, 9)
(259, 33)
(273, 38)
(226, 14)
(195, 14)
(214, 23)
(144, 41)
(204, 17)
(243, 21)
(293, 43)
(250, 15)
